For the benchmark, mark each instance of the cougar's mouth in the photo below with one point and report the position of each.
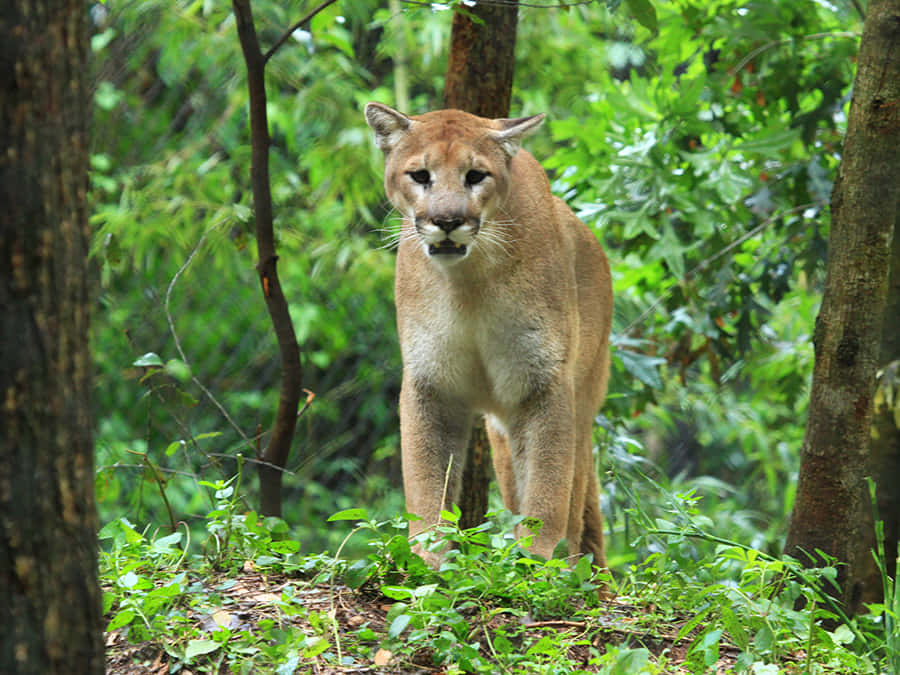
(446, 247)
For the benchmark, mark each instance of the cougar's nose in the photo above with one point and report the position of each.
(448, 224)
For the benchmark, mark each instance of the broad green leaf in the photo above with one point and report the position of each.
(178, 369)
(149, 359)
(398, 592)
(399, 624)
(630, 661)
(349, 514)
(123, 618)
(199, 647)
(285, 547)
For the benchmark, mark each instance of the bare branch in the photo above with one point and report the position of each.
(786, 41)
(290, 31)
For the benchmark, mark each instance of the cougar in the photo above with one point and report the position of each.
(504, 305)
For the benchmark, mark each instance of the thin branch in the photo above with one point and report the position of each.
(290, 31)
(181, 353)
(786, 41)
(505, 3)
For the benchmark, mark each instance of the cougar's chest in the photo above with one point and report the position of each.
(490, 354)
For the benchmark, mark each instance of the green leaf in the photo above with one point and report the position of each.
(349, 514)
(693, 623)
(316, 646)
(178, 369)
(123, 618)
(735, 628)
(149, 359)
(399, 624)
(398, 592)
(643, 367)
(107, 96)
(101, 40)
(174, 447)
(582, 570)
(629, 661)
(768, 142)
(842, 635)
(199, 647)
(285, 547)
(644, 12)
(165, 544)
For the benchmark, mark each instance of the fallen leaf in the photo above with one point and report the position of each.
(222, 618)
(382, 657)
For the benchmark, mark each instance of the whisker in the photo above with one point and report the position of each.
(497, 238)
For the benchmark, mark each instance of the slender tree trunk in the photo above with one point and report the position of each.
(479, 80)
(829, 508)
(278, 449)
(50, 610)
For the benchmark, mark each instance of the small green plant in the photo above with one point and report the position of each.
(235, 536)
(889, 610)
(143, 578)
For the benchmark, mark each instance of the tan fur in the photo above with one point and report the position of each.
(517, 329)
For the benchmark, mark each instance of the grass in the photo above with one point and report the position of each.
(249, 599)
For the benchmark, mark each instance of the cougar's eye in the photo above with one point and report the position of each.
(474, 177)
(422, 177)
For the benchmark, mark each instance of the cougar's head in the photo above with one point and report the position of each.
(447, 172)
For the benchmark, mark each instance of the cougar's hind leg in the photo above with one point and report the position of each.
(592, 534)
(503, 464)
(575, 527)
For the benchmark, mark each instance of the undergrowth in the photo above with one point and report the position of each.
(490, 608)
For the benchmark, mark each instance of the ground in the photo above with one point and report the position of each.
(354, 624)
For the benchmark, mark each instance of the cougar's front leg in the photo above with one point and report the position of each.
(434, 431)
(544, 457)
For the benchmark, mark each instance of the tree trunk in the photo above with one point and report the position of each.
(482, 58)
(829, 508)
(479, 80)
(275, 456)
(884, 462)
(49, 597)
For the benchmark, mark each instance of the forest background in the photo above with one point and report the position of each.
(702, 153)
(701, 143)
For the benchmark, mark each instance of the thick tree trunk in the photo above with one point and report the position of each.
(49, 597)
(829, 509)
(479, 80)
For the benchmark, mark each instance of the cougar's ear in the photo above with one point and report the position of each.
(514, 130)
(389, 125)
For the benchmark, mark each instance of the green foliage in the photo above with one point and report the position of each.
(490, 607)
